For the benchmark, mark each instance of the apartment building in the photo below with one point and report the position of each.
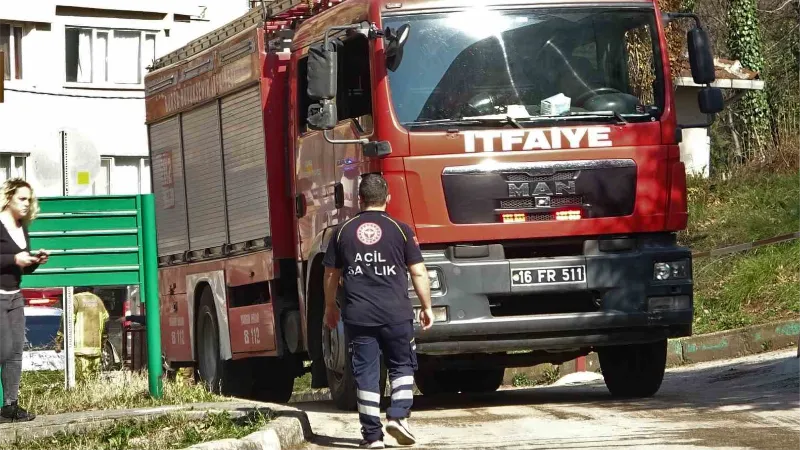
(74, 72)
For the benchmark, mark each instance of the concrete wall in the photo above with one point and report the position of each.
(98, 127)
(696, 144)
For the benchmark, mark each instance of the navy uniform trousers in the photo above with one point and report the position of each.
(396, 342)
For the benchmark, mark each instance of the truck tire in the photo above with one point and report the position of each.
(275, 380)
(341, 382)
(435, 382)
(479, 381)
(234, 378)
(210, 365)
(634, 371)
(474, 381)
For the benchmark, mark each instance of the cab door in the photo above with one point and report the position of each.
(354, 107)
(313, 164)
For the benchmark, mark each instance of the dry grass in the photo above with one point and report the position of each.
(44, 393)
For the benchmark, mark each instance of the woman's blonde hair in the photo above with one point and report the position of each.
(10, 188)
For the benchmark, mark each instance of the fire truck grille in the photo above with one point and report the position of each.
(539, 217)
(567, 200)
(601, 188)
(517, 203)
(524, 203)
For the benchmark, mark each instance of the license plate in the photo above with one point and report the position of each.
(548, 275)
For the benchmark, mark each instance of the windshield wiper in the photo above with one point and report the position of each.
(607, 116)
(601, 115)
(477, 120)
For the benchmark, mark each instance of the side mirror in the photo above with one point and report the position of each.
(394, 50)
(700, 58)
(710, 100)
(322, 68)
(377, 149)
(322, 116)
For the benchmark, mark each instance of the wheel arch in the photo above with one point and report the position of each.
(215, 283)
(314, 294)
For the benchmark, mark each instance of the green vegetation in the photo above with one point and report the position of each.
(44, 393)
(166, 432)
(755, 286)
(549, 375)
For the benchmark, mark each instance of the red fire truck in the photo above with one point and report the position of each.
(533, 146)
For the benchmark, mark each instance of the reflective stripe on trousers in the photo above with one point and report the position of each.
(396, 342)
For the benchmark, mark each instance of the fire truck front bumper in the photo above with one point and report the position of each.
(625, 293)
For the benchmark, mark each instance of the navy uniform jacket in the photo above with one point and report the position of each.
(374, 252)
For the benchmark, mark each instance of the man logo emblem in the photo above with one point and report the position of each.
(369, 233)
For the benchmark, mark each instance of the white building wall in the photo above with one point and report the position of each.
(106, 136)
(695, 145)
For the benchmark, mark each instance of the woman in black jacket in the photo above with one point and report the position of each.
(18, 207)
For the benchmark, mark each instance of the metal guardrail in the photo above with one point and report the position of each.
(746, 246)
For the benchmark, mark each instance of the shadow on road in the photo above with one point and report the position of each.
(761, 386)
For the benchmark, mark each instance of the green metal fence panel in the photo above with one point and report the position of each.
(102, 241)
(94, 241)
(87, 222)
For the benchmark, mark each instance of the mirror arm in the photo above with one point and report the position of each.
(372, 32)
(669, 17)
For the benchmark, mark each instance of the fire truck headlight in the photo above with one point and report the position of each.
(671, 270)
(434, 278)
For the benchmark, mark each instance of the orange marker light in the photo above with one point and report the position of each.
(572, 214)
(511, 218)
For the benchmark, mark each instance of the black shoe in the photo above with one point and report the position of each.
(13, 413)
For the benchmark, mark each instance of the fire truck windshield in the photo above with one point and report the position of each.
(532, 63)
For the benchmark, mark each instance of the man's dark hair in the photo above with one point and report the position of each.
(373, 190)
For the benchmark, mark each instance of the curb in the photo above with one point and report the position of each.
(701, 348)
(288, 430)
(315, 396)
(733, 343)
(282, 433)
(92, 420)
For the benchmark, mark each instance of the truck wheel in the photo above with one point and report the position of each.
(341, 382)
(478, 381)
(474, 381)
(210, 366)
(275, 381)
(436, 382)
(634, 371)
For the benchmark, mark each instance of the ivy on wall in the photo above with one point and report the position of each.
(751, 112)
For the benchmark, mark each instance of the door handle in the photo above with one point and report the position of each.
(338, 195)
(300, 205)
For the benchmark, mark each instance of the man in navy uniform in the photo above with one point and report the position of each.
(373, 253)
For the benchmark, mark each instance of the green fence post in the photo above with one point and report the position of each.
(152, 313)
(1, 386)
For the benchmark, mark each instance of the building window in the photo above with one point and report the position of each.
(123, 175)
(102, 182)
(100, 56)
(12, 166)
(11, 46)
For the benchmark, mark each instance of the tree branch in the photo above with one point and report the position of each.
(778, 9)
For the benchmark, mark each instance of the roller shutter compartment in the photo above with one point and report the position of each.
(168, 187)
(245, 166)
(205, 197)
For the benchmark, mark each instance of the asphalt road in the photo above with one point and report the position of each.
(745, 403)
